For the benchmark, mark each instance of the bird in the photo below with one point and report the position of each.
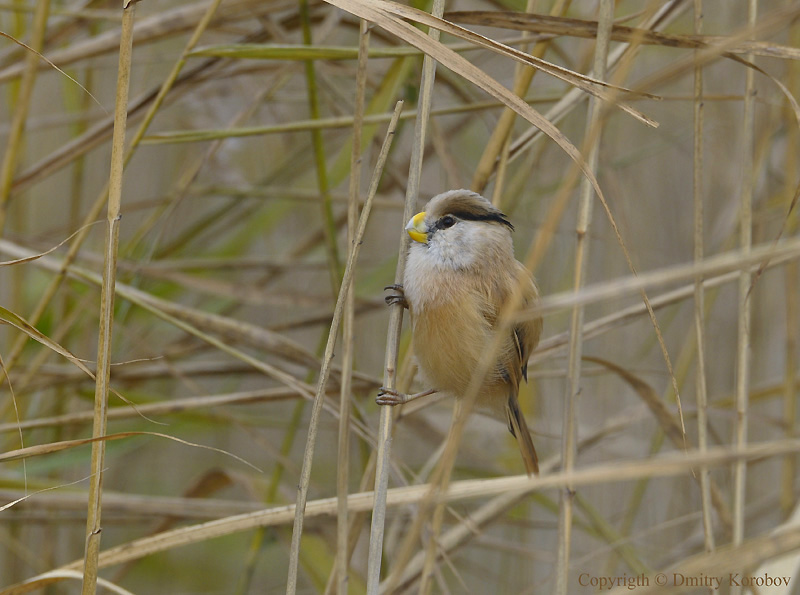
(460, 271)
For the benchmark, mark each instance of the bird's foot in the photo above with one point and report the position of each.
(387, 396)
(398, 297)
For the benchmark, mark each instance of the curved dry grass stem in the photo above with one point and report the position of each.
(313, 424)
(745, 280)
(593, 135)
(102, 377)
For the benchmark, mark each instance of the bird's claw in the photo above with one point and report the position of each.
(387, 396)
(396, 298)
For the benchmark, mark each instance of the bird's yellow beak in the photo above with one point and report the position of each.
(417, 229)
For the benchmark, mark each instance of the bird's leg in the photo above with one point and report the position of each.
(396, 298)
(387, 396)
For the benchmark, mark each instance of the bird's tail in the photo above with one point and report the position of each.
(519, 428)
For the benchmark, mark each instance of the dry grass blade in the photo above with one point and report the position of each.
(461, 66)
(52, 65)
(592, 85)
(33, 257)
(571, 27)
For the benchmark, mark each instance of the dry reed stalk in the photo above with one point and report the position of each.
(396, 318)
(313, 424)
(103, 373)
(343, 461)
(792, 289)
(744, 305)
(699, 291)
(719, 264)
(593, 134)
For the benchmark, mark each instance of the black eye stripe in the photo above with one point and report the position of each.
(492, 217)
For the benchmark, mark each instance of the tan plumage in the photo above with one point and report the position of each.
(460, 271)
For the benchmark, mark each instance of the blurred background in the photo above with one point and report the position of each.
(234, 224)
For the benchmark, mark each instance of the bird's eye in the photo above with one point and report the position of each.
(447, 221)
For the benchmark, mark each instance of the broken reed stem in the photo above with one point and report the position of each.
(313, 424)
(342, 476)
(743, 330)
(107, 293)
(396, 319)
(699, 291)
(605, 20)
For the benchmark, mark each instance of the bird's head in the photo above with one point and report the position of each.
(461, 229)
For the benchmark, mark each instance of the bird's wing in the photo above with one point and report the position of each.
(526, 333)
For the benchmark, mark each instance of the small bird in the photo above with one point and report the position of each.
(460, 271)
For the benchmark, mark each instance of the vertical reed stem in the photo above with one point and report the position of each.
(743, 330)
(569, 438)
(699, 291)
(396, 320)
(342, 476)
(93, 526)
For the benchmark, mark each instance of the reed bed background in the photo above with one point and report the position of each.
(264, 172)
